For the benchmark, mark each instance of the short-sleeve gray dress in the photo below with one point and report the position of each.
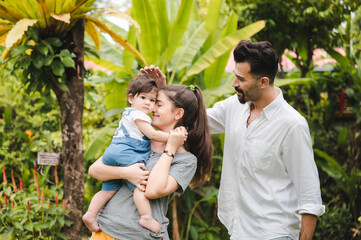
(119, 218)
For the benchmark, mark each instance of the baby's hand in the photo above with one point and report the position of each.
(177, 137)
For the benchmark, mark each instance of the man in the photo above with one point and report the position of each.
(269, 183)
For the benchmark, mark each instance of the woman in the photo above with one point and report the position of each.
(171, 165)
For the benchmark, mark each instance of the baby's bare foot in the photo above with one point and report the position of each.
(91, 222)
(150, 223)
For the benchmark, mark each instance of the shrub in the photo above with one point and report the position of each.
(25, 214)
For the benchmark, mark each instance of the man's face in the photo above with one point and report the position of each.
(245, 84)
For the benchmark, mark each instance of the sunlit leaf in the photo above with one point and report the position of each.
(213, 75)
(99, 143)
(93, 32)
(178, 29)
(149, 37)
(125, 17)
(18, 31)
(117, 38)
(222, 46)
(61, 17)
(185, 54)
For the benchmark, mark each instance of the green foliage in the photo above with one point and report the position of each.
(329, 227)
(29, 123)
(25, 215)
(43, 62)
(310, 24)
(336, 140)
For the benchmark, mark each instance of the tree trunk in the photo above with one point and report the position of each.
(71, 107)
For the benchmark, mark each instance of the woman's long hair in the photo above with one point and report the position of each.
(195, 120)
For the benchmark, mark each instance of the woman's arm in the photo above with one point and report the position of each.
(133, 173)
(160, 183)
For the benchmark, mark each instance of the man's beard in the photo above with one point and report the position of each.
(241, 99)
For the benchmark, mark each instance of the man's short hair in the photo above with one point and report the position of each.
(261, 56)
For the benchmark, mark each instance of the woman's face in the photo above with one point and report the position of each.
(164, 114)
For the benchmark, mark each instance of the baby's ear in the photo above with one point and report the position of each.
(130, 98)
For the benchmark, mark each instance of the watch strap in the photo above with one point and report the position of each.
(168, 153)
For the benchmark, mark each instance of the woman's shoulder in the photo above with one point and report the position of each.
(185, 156)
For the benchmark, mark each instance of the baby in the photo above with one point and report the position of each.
(130, 145)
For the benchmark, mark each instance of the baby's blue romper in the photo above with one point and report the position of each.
(125, 151)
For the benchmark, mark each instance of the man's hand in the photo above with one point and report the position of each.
(154, 73)
(308, 224)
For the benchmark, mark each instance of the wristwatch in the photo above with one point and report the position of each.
(168, 153)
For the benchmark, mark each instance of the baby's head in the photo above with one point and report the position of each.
(142, 94)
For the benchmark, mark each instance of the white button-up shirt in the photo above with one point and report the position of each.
(269, 176)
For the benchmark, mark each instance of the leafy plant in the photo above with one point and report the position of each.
(26, 215)
(66, 20)
(43, 63)
(329, 227)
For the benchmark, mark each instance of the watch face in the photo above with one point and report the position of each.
(168, 153)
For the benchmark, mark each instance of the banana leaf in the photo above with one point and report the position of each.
(161, 13)
(213, 21)
(99, 143)
(178, 29)
(185, 54)
(213, 74)
(222, 46)
(149, 37)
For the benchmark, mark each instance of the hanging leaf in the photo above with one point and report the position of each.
(93, 32)
(68, 62)
(57, 67)
(116, 38)
(18, 31)
(61, 17)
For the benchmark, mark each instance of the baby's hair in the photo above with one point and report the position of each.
(141, 84)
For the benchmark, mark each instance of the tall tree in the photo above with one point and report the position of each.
(45, 40)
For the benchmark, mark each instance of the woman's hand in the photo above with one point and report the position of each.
(137, 175)
(177, 137)
(154, 73)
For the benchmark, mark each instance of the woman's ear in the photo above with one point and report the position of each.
(179, 113)
(130, 98)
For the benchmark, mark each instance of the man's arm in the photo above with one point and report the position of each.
(156, 74)
(308, 224)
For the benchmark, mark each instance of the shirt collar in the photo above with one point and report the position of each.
(274, 105)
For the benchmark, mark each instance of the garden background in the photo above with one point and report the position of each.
(61, 93)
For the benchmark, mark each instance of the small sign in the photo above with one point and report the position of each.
(48, 158)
